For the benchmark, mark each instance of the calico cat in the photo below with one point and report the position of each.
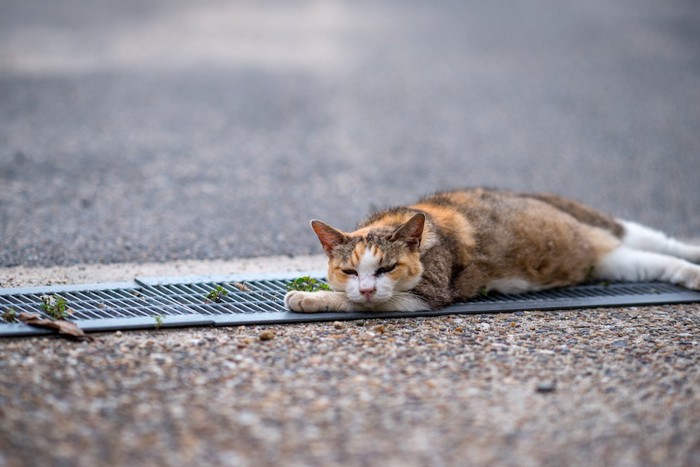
(453, 245)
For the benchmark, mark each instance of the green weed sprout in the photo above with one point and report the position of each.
(307, 284)
(10, 315)
(217, 294)
(55, 306)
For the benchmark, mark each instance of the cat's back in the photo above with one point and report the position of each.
(491, 207)
(469, 199)
(493, 222)
(496, 224)
(480, 208)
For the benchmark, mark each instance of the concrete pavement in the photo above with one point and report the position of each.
(613, 387)
(151, 131)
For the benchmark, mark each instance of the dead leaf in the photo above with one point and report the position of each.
(64, 328)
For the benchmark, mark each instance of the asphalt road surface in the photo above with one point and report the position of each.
(158, 130)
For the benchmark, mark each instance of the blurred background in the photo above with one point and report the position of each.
(151, 130)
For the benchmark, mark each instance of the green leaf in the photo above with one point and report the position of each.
(10, 315)
(307, 284)
(55, 306)
(217, 294)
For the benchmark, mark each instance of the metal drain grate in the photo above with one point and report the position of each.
(171, 302)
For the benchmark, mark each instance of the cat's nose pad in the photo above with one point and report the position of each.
(368, 293)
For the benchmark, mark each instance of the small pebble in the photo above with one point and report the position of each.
(546, 386)
(266, 335)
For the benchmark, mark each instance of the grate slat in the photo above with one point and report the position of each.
(251, 299)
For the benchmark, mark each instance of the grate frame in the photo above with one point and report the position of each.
(258, 299)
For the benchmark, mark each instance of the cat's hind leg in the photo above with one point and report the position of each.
(644, 238)
(629, 264)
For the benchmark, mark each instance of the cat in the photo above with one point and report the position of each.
(454, 245)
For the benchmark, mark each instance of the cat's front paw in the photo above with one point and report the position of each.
(305, 302)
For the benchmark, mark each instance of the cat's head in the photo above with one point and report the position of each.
(372, 265)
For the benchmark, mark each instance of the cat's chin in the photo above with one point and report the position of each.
(369, 304)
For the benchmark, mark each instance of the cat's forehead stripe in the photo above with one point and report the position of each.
(375, 250)
(357, 253)
(365, 250)
(361, 248)
(369, 262)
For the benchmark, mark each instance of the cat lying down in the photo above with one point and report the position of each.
(451, 246)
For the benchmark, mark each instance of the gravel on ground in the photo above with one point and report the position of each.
(581, 387)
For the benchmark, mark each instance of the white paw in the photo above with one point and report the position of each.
(693, 279)
(305, 302)
(695, 257)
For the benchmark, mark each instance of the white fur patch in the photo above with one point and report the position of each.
(627, 264)
(367, 279)
(368, 263)
(512, 285)
(644, 238)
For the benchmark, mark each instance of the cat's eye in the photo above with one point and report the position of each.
(386, 269)
(349, 272)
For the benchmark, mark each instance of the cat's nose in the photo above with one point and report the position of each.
(368, 292)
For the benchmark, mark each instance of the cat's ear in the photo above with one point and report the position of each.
(411, 232)
(328, 236)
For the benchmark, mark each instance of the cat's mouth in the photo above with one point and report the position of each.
(365, 301)
(370, 301)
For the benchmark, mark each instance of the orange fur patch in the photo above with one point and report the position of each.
(454, 224)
